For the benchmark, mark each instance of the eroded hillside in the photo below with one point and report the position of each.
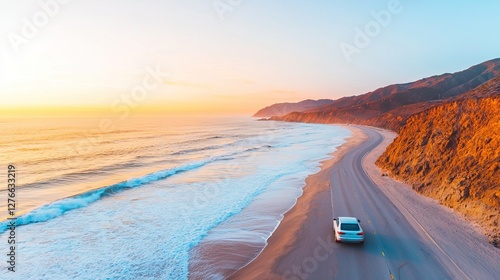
(451, 152)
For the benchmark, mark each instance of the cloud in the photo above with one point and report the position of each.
(271, 94)
(283, 92)
(186, 84)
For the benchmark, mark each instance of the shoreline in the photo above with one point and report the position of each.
(462, 246)
(315, 199)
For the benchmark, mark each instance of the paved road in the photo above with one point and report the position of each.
(393, 248)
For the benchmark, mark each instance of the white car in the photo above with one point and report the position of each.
(348, 229)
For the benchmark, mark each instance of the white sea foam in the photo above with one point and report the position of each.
(58, 208)
(145, 227)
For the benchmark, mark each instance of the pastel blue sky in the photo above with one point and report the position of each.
(235, 59)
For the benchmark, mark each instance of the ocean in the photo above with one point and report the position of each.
(132, 199)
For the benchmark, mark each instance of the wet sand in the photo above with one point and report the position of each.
(459, 245)
(308, 214)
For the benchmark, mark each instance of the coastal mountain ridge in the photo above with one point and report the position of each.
(448, 146)
(281, 109)
(389, 107)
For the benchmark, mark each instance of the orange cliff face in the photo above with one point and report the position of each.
(452, 153)
(449, 142)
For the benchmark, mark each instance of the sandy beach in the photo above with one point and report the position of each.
(445, 233)
(308, 214)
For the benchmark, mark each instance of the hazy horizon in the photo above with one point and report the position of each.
(209, 57)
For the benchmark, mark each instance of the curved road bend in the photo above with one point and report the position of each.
(393, 249)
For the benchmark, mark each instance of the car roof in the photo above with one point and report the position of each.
(348, 220)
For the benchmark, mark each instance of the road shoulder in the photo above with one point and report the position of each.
(460, 245)
(292, 240)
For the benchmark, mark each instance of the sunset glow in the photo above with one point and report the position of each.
(238, 139)
(231, 61)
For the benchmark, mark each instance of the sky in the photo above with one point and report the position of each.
(228, 56)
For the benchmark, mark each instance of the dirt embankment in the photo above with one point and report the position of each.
(452, 153)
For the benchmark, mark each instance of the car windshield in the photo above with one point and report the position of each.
(349, 227)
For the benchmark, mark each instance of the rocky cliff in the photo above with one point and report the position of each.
(451, 152)
(448, 146)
